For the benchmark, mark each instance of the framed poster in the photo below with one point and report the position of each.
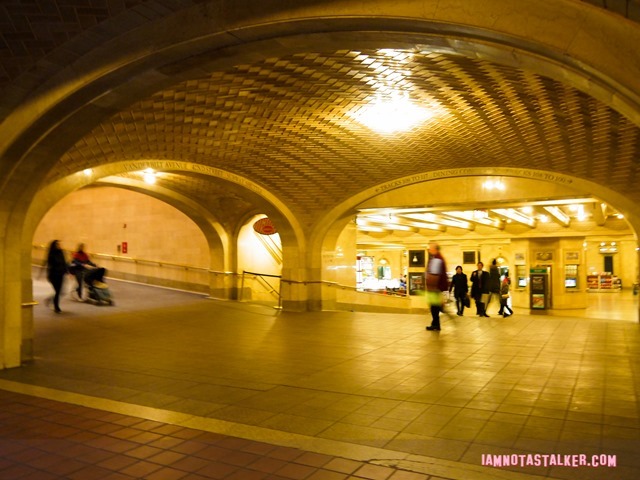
(544, 256)
(572, 256)
(416, 258)
(416, 283)
(469, 258)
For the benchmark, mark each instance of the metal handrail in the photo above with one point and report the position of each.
(121, 258)
(260, 277)
(218, 272)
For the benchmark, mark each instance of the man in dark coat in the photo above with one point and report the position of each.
(480, 285)
(495, 283)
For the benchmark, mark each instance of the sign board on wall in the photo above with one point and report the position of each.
(264, 227)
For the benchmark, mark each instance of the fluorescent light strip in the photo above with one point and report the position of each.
(562, 217)
(515, 216)
(430, 217)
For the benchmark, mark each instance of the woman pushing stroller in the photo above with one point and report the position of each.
(85, 270)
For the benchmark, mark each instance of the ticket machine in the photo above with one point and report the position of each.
(540, 288)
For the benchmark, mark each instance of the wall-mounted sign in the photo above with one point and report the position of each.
(544, 256)
(264, 227)
(572, 256)
(416, 258)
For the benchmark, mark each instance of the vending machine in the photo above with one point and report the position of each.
(540, 288)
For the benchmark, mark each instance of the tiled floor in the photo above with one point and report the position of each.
(44, 439)
(372, 392)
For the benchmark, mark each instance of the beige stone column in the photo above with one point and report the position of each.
(223, 279)
(300, 283)
(15, 284)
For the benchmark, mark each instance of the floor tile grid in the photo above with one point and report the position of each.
(48, 439)
(492, 346)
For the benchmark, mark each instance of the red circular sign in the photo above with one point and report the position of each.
(264, 227)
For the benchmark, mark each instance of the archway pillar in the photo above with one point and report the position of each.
(11, 322)
(300, 284)
(16, 315)
(224, 283)
(301, 296)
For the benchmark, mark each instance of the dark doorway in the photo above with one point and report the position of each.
(608, 264)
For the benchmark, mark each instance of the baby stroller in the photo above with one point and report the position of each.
(99, 293)
(92, 278)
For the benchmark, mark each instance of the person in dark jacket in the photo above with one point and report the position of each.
(479, 287)
(437, 283)
(460, 287)
(494, 283)
(85, 270)
(504, 297)
(56, 270)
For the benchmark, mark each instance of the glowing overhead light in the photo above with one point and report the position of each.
(392, 113)
(516, 216)
(611, 248)
(149, 176)
(371, 228)
(480, 214)
(494, 185)
(404, 228)
(88, 172)
(476, 216)
(559, 215)
(620, 216)
(392, 222)
(430, 217)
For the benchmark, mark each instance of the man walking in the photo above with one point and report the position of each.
(480, 289)
(437, 283)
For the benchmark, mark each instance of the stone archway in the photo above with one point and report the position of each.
(454, 187)
(560, 44)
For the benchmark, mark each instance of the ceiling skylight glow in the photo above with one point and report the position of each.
(395, 113)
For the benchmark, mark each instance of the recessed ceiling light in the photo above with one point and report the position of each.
(396, 113)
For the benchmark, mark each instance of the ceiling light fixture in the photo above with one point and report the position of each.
(450, 222)
(516, 216)
(149, 176)
(371, 229)
(559, 215)
(476, 216)
(494, 185)
(392, 113)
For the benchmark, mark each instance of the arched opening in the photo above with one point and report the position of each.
(531, 220)
(100, 87)
(135, 236)
(260, 259)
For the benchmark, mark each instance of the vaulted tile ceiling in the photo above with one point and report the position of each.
(287, 123)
